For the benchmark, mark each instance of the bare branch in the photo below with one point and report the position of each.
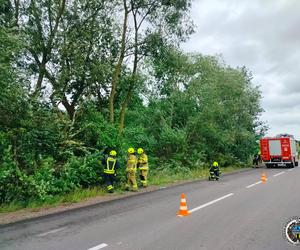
(49, 16)
(152, 6)
(38, 24)
(57, 20)
(17, 8)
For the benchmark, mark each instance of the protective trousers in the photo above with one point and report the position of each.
(131, 181)
(255, 161)
(109, 182)
(215, 170)
(144, 177)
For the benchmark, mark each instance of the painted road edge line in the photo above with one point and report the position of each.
(254, 184)
(51, 231)
(102, 245)
(280, 173)
(291, 169)
(210, 203)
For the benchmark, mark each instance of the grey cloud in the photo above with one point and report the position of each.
(264, 36)
(281, 103)
(290, 119)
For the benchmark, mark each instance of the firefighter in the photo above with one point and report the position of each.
(131, 170)
(256, 160)
(259, 157)
(214, 171)
(143, 166)
(110, 164)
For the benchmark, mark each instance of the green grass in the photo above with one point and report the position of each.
(195, 174)
(84, 194)
(72, 197)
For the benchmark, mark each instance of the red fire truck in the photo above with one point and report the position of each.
(278, 151)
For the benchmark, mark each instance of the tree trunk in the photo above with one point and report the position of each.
(133, 77)
(117, 71)
(69, 107)
(42, 70)
(123, 111)
(99, 100)
(17, 8)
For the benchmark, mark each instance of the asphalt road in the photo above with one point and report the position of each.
(248, 215)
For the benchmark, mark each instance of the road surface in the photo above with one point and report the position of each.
(238, 212)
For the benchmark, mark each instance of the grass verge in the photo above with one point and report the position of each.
(194, 174)
(84, 194)
(72, 197)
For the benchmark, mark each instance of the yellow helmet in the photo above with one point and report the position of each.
(140, 151)
(215, 164)
(130, 150)
(113, 153)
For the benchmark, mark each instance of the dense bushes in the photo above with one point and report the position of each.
(47, 154)
(58, 114)
(46, 181)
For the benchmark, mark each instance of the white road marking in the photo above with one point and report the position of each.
(210, 203)
(52, 231)
(254, 184)
(291, 169)
(279, 173)
(102, 245)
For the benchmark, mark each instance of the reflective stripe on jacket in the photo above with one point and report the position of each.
(143, 162)
(131, 163)
(110, 165)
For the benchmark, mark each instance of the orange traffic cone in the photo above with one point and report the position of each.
(263, 177)
(183, 211)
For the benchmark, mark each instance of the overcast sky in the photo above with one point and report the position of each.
(263, 35)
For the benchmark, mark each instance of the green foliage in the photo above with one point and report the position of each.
(10, 177)
(12, 96)
(45, 182)
(81, 172)
(57, 67)
(172, 142)
(96, 131)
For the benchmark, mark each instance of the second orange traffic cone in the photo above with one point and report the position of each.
(263, 177)
(183, 210)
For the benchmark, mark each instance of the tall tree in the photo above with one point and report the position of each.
(44, 18)
(85, 48)
(118, 66)
(70, 45)
(165, 20)
(227, 109)
(11, 93)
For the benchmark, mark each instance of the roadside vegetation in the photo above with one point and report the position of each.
(80, 78)
(79, 195)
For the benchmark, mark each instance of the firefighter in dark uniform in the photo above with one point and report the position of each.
(214, 171)
(256, 160)
(110, 165)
